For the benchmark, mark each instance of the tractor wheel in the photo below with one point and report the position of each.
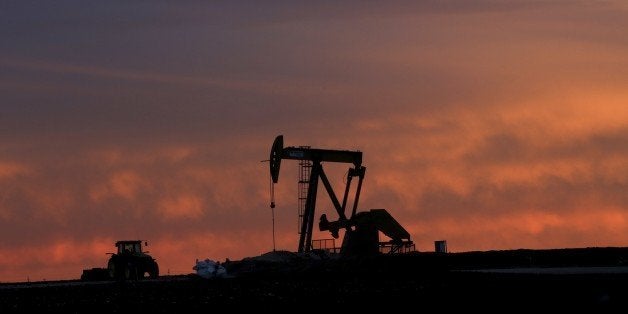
(114, 271)
(153, 270)
(130, 272)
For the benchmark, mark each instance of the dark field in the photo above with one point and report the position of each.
(595, 279)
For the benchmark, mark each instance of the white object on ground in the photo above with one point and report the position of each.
(209, 269)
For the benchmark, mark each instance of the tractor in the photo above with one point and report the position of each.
(130, 263)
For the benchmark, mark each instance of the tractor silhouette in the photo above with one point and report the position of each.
(130, 263)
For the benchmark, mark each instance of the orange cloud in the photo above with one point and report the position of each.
(535, 229)
(9, 169)
(125, 184)
(63, 259)
(182, 206)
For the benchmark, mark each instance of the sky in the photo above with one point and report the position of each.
(490, 124)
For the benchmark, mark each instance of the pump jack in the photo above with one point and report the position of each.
(361, 228)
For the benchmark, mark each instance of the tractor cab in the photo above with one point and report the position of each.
(129, 247)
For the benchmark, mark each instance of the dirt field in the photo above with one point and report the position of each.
(421, 281)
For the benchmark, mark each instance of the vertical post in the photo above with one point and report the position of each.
(273, 214)
(310, 228)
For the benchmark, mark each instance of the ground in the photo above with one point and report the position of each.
(533, 280)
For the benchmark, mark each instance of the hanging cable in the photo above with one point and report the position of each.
(272, 194)
(272, 204)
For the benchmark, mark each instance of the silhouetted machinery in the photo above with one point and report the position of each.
(361, 228)
(128, 263)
